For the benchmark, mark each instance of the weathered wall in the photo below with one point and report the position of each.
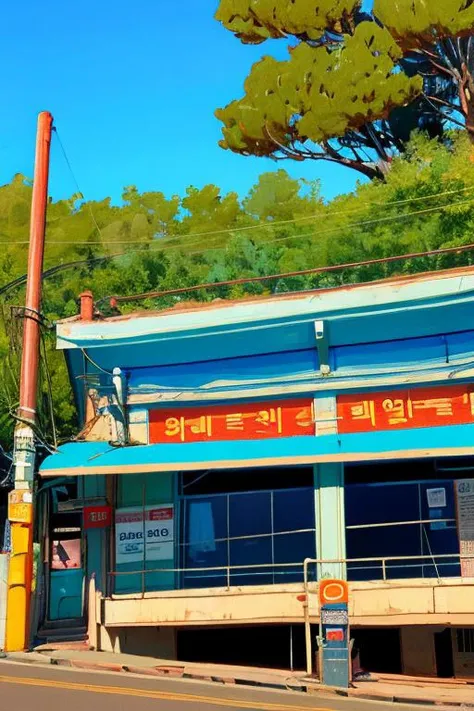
(407, 603)
(418, 651)
(158, 642)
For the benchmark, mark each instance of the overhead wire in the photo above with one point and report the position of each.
(49, 383)
(363, 223)
(184, 239)
(266, 225)
(286, 275)
(68, 163)
(154, 246)
(19, 281)
(317, 216)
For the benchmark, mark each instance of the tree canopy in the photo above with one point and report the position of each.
(355, 84)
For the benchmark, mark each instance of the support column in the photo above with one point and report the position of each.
(330, 518)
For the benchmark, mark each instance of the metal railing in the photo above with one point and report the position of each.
(230, 572)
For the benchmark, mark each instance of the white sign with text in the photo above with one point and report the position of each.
(144, 534)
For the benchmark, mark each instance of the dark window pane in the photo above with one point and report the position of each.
(251, 552)
(293, 510)
(249, 514)
(294, 547)
(381, 503)
(385, 541)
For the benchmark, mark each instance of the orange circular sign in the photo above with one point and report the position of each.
(333, 591)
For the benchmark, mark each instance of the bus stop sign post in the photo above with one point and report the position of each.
(333, 640)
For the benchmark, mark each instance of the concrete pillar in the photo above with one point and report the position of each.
(330, 518)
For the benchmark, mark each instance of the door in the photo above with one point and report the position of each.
(444, 654)
(66, 580)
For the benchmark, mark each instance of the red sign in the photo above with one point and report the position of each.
(290, 418)
(405, 409)
(97, 516)
(161, 514)
(336, 635)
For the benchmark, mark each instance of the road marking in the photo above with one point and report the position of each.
(151, 694)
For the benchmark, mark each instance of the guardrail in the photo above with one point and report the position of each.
(231, 572)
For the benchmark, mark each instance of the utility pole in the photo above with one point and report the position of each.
(21, 501)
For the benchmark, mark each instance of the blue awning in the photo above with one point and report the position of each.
(83, 458)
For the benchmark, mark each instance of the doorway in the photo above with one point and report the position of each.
(379, 648)
(66, 578)
(444, 654)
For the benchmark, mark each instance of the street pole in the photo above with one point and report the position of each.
(21, 500)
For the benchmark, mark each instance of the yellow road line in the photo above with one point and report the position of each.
(151, 694)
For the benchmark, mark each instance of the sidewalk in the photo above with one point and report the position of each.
(390, 688)
(415, 690)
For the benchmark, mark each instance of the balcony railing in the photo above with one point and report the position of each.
(382, 564)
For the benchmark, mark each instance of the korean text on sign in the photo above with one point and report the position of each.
(405, 409)
(245, 421)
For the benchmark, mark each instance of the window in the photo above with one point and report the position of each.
(465, 640)
(137, 492)
(251, 538)
(405, 520)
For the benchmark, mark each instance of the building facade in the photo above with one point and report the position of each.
(224, 445)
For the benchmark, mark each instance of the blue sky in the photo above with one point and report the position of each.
(132, 87)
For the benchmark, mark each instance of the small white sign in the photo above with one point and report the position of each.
(436, 498)
(143, 534)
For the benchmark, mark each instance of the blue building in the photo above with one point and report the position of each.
(222, 445)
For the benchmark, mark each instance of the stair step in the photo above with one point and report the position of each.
(65, 638)
(69, 623)
(61, 632)
(70, 646)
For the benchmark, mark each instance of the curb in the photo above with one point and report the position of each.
(179, 672)
(390, 698)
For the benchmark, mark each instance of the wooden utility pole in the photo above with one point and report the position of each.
(21, 501)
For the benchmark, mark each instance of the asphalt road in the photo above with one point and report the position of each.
(25, 687)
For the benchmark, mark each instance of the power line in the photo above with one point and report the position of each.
(68, 163)
(317, 216)
(336, 228)
(184, 239)
(286, 275)
(354, 224)
(19, 281)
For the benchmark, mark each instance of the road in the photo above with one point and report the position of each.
(46, 688)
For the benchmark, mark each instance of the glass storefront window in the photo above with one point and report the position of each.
(259, 537)
(421, 518)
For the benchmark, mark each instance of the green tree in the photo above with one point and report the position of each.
(355, 84)
(437, 37)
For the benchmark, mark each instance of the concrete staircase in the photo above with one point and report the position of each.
(62, 634)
